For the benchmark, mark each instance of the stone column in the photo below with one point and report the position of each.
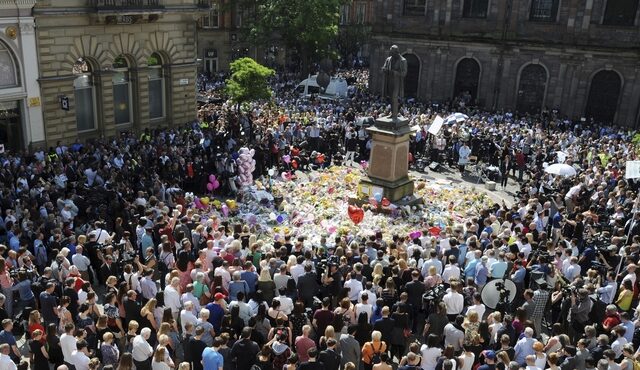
(34, 124)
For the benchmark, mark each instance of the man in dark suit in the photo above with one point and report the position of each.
(131, 307)
(385, 325)
(329, 357)
(415, 289)
(350, 348)
(307, 286)
(569, 362)
(108, 268)
(632, 227)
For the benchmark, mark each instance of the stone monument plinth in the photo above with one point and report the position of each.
(388, 171)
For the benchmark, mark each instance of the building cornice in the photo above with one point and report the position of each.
(17, 4)
(55, 11)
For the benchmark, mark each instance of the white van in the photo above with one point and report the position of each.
(337, 88)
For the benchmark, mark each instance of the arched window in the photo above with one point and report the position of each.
(8, 68)
(121, 91)
(531, 89)
(156, 87)
(413, 76)
(467, 78)
(603, 96)
(544, 10)
(620, 12)
(84, 96)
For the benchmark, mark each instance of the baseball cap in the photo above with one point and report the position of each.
(218, 296)
(491, 355)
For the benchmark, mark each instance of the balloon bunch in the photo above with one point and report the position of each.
(213, 183)
(290, 161)
(246, 166)
(201, 203)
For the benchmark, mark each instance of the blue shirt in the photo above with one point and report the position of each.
(628, 335)
(518, 276)
(14, 243)
(498, 269)
(251, 278)
(212, 359)
(470, 270)
(238, 286)
(8, 338)
(215, 315)
(481, 274)
(24, 289)
(557, 219)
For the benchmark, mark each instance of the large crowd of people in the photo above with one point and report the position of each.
(106, 264)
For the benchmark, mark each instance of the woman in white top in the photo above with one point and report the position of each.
(158, 362)
(364, 307)
(466, 359)
(430, 352)
(541, 357)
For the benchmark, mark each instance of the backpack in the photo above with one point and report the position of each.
(375, 358)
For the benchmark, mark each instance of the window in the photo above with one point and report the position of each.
(531, 90)
(604, 93)
(211, 60)
(361, 13)
(415, 7)
(84, 96)
(544, 10)
(238, 18)
(8, 70)
(344, 14)
(121, 91)
(212, 19)
(156, 87)
(620, 12)
(475, 8)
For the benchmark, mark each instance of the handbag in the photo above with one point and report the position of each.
(204, 300)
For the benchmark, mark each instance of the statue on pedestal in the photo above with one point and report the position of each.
(394, 71)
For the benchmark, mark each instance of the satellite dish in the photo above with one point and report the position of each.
(492, 292)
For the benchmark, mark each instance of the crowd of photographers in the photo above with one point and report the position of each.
(106, 265)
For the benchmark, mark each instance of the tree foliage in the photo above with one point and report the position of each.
(248, 81)
(307, 26)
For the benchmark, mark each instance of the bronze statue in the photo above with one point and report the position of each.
(395, 70)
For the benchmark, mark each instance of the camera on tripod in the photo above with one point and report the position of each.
(503, 292)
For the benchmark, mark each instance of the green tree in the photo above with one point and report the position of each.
(248, 81)
(309, 27)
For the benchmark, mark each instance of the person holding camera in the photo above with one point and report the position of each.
(23, 287)
(579, 312)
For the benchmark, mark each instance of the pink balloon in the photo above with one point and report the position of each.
(212, 178)
(225, 210)
(216, 184)
(286, 159)
(210, 186)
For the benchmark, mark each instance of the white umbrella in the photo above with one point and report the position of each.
(455, 117)
(561, 169)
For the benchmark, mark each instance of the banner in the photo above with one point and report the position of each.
(436, 125)
(633, 170)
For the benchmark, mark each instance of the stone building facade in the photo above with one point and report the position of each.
(220, 38)
(579, 57)
(108, 66)
(21, 122)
